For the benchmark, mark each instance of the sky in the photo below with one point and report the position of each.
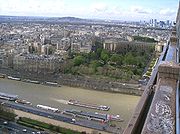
(125, 10)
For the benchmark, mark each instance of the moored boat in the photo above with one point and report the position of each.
(51, 83)
(47, 108)
(23, 102)
(115, 118)
(31, 81)
(14, 78)
(102, 117)
(8, 96)
(2, 75)
(92, 106)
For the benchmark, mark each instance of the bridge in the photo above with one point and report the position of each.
(158, 109)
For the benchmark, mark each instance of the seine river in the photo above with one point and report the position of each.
(121, 104)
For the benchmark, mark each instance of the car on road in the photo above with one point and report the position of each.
(50, 116)
(5, 122)
(24, 130)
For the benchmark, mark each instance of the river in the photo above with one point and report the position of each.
(121, 104)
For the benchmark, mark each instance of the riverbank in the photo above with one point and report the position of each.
(78, 81)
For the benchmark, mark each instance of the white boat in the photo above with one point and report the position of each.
(4, 98)
(103, 107)
(14, 78)
(115, 118)
(51, 83)
(32, 81)
(48, 108)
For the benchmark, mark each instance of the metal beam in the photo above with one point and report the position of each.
(177, 109)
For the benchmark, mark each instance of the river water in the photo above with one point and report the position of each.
(120, 104)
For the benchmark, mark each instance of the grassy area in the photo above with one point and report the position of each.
(41, 126)
(29, 125)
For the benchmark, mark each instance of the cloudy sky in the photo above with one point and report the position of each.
(97, 9)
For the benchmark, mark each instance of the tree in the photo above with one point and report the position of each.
(93, 56)
(128, 75)
(67, 66)
(79, 60)
(140, 61)
(95, 64)
(129, 59)
(105, 55)
(98, 44)
(7, 113)
(114, 58)
(98, 52)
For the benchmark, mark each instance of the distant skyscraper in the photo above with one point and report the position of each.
(168, 23)
(151, 22)
(162, 24)
(155, 23)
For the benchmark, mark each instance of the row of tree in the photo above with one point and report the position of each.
(7, 113)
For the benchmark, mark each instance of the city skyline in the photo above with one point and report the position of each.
(90, 9)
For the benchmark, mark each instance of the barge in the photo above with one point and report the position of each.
(31, 81)
(2, 75)
(93, 116)
(51, 83)
(92, 106)
(47, 108)
(14, 78)
(6, 96)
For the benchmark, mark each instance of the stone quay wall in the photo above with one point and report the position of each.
(78, 81)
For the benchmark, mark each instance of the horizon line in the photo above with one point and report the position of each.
(100, 19)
